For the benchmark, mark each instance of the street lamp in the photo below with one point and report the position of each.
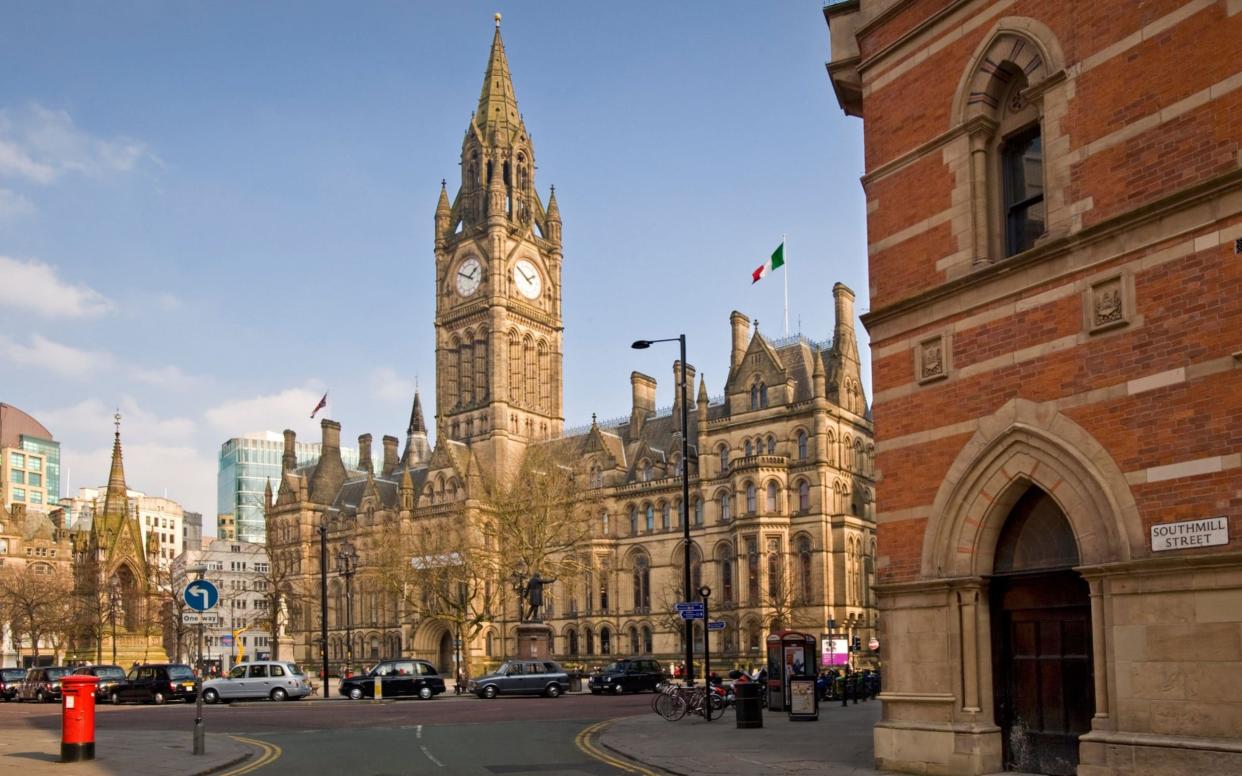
(114, 601)
(347, 566)
(323, 597)
(685, 491)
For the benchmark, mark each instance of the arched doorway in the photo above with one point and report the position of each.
(444, 654)
(1041, 639)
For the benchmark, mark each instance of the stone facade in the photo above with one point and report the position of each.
(1065, 362)
(780, 465)
(30, 538)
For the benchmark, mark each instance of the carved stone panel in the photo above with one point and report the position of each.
(931, 359)
(1109, 303)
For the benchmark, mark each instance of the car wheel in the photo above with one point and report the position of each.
(426, 693)
(553, 690)
(355, 693)
(40, 697)
(489, 691)
(115, 698)
(158, 698)
(210, 696)
(617, 689)
(279, 694)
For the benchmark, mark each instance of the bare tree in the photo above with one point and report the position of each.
(38, 603)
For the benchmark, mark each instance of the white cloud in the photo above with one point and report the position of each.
(186, 474)
(92, 419)
(163, 377)
(387, 385)
(14, 205)
(41, 145)
(290, 408)
(64, 360)
(35, 286)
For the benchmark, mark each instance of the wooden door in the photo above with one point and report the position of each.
(1044, 690)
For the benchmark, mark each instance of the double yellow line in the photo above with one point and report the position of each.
(270, 754)
(584, 744)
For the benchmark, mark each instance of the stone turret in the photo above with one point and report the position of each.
(643, 390)
(741, 331)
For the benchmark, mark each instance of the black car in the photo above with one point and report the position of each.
(628, 675)
(109, 677)
(522, 677)
(398, 678)
(10, 681)
(42, 684)
(155, 683)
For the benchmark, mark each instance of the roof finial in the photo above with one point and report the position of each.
(116, 421)
(497, 20)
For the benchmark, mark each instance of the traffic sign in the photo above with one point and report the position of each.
(200, 595)
(716, 625)
(199, 618)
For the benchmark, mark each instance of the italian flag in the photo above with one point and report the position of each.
(776, 262)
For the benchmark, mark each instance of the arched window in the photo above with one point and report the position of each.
(634, 645)
(802, 452)
(633, 521)
(804, 570)
(749, 450)
(597, 477)
(754, 635)
(750, 498)
(648, 471)
(590, 640)
(698, 511)
(604, 528)
(772, 505)
(763, 395)
(754, 396)
(605, 641)
(771, 445)
(724, 459)
(664, 516)
(642, 583)
(774, 577)
(647, 640)
(725, 559)
(752, 571)
(573, 641)
(491, 644)
(804, 496)
(650, 518)
(725, 507)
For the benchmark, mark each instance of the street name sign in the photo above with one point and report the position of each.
(689, 615)
(201, 595)
(689, 606)
(1209, 532)
(716, 625)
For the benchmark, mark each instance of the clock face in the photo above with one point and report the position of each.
(469, 275)
(526, 278)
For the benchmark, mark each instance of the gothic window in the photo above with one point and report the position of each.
(724, 459)
(698, 511)
(752, 571)
(634, 645)
(1022, 181)
(753, 637)
(603, 590)
(515, 368)
(597, 477)
(763, 395)
(590, 591)
(750, 498)
(642, 583)
(604, 528)
(605, 641)
(633, 521)
(804, 496)
(802, 451)
(725, 507)
(664, 516)
(771, 445)
(804, 569)
(650, 518)
(724, 557)
(754, 396)
(831, 447)
(858, 457)
(774, 577)
(647, 649)
(749, 450)
(573, 641)
(648, 471)
(450, 375)
(531, 380)
(480, 366)
(590, 640)
(465, 371)
(545, 378)
(772, 507)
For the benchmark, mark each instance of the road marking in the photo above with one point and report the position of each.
(583, 742)
(430, 756)
(419, 732)
(270, 754)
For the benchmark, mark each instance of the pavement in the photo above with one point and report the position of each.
(128, 752)
(839, 743)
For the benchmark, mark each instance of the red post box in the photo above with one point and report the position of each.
(77, 709)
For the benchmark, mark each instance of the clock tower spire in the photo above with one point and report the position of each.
(498, 284)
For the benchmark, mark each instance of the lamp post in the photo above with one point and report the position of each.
(323, 598)
(199, 731)
(685, 492)
(114, 601)
(347, 566)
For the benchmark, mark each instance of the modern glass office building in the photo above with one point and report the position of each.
(247, 464)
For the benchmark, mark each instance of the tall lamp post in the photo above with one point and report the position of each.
(114, 602)
(688, 593)
(323, 598)
(347, 566)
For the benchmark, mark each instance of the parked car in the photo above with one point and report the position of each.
(42, 684)
(397, 678)
(526, 677)
(628, 675)
(109, 677)
(11, 682)
(276, 679)
(155, 683)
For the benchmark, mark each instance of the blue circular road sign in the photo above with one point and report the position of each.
(201, 595)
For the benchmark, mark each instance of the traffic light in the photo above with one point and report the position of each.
(858, 644)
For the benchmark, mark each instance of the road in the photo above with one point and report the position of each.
(444, 737)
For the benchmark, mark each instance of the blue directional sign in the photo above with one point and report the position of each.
(716, 625)
(201, 595)
(684, 606)
(692, 615)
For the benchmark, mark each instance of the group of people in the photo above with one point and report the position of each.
(856, 685)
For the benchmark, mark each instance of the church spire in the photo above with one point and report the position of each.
(116, 477)
(497, 116)
(416, 417)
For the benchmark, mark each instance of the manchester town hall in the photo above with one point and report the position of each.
(781, 467)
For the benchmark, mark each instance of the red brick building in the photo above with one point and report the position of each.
(1054, 201)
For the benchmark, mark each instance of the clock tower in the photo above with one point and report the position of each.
(498, 285)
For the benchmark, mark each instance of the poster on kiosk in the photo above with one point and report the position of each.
(790, 653)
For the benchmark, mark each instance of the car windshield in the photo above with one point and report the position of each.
(112, 672)
(57, 673)
(294, 669)
(180, 672)
(9, 674)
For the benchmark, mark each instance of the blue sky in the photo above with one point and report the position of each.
(211, 213)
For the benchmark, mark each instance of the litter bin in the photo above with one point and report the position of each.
(748, 704)
(575, 681)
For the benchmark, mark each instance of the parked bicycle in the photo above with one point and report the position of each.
(674, 702)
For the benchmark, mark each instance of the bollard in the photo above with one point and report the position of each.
(77, 716)
(379, 688)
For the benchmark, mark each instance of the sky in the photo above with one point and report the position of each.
(212, 213)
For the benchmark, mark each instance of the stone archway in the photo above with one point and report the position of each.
(444, 654)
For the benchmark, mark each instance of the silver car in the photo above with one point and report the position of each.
(275, 679)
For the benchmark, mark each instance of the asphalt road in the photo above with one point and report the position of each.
(445, 736)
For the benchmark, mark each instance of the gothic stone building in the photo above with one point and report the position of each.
(781, 467)
(1054, 207)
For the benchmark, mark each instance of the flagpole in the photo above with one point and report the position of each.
(785, 253)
